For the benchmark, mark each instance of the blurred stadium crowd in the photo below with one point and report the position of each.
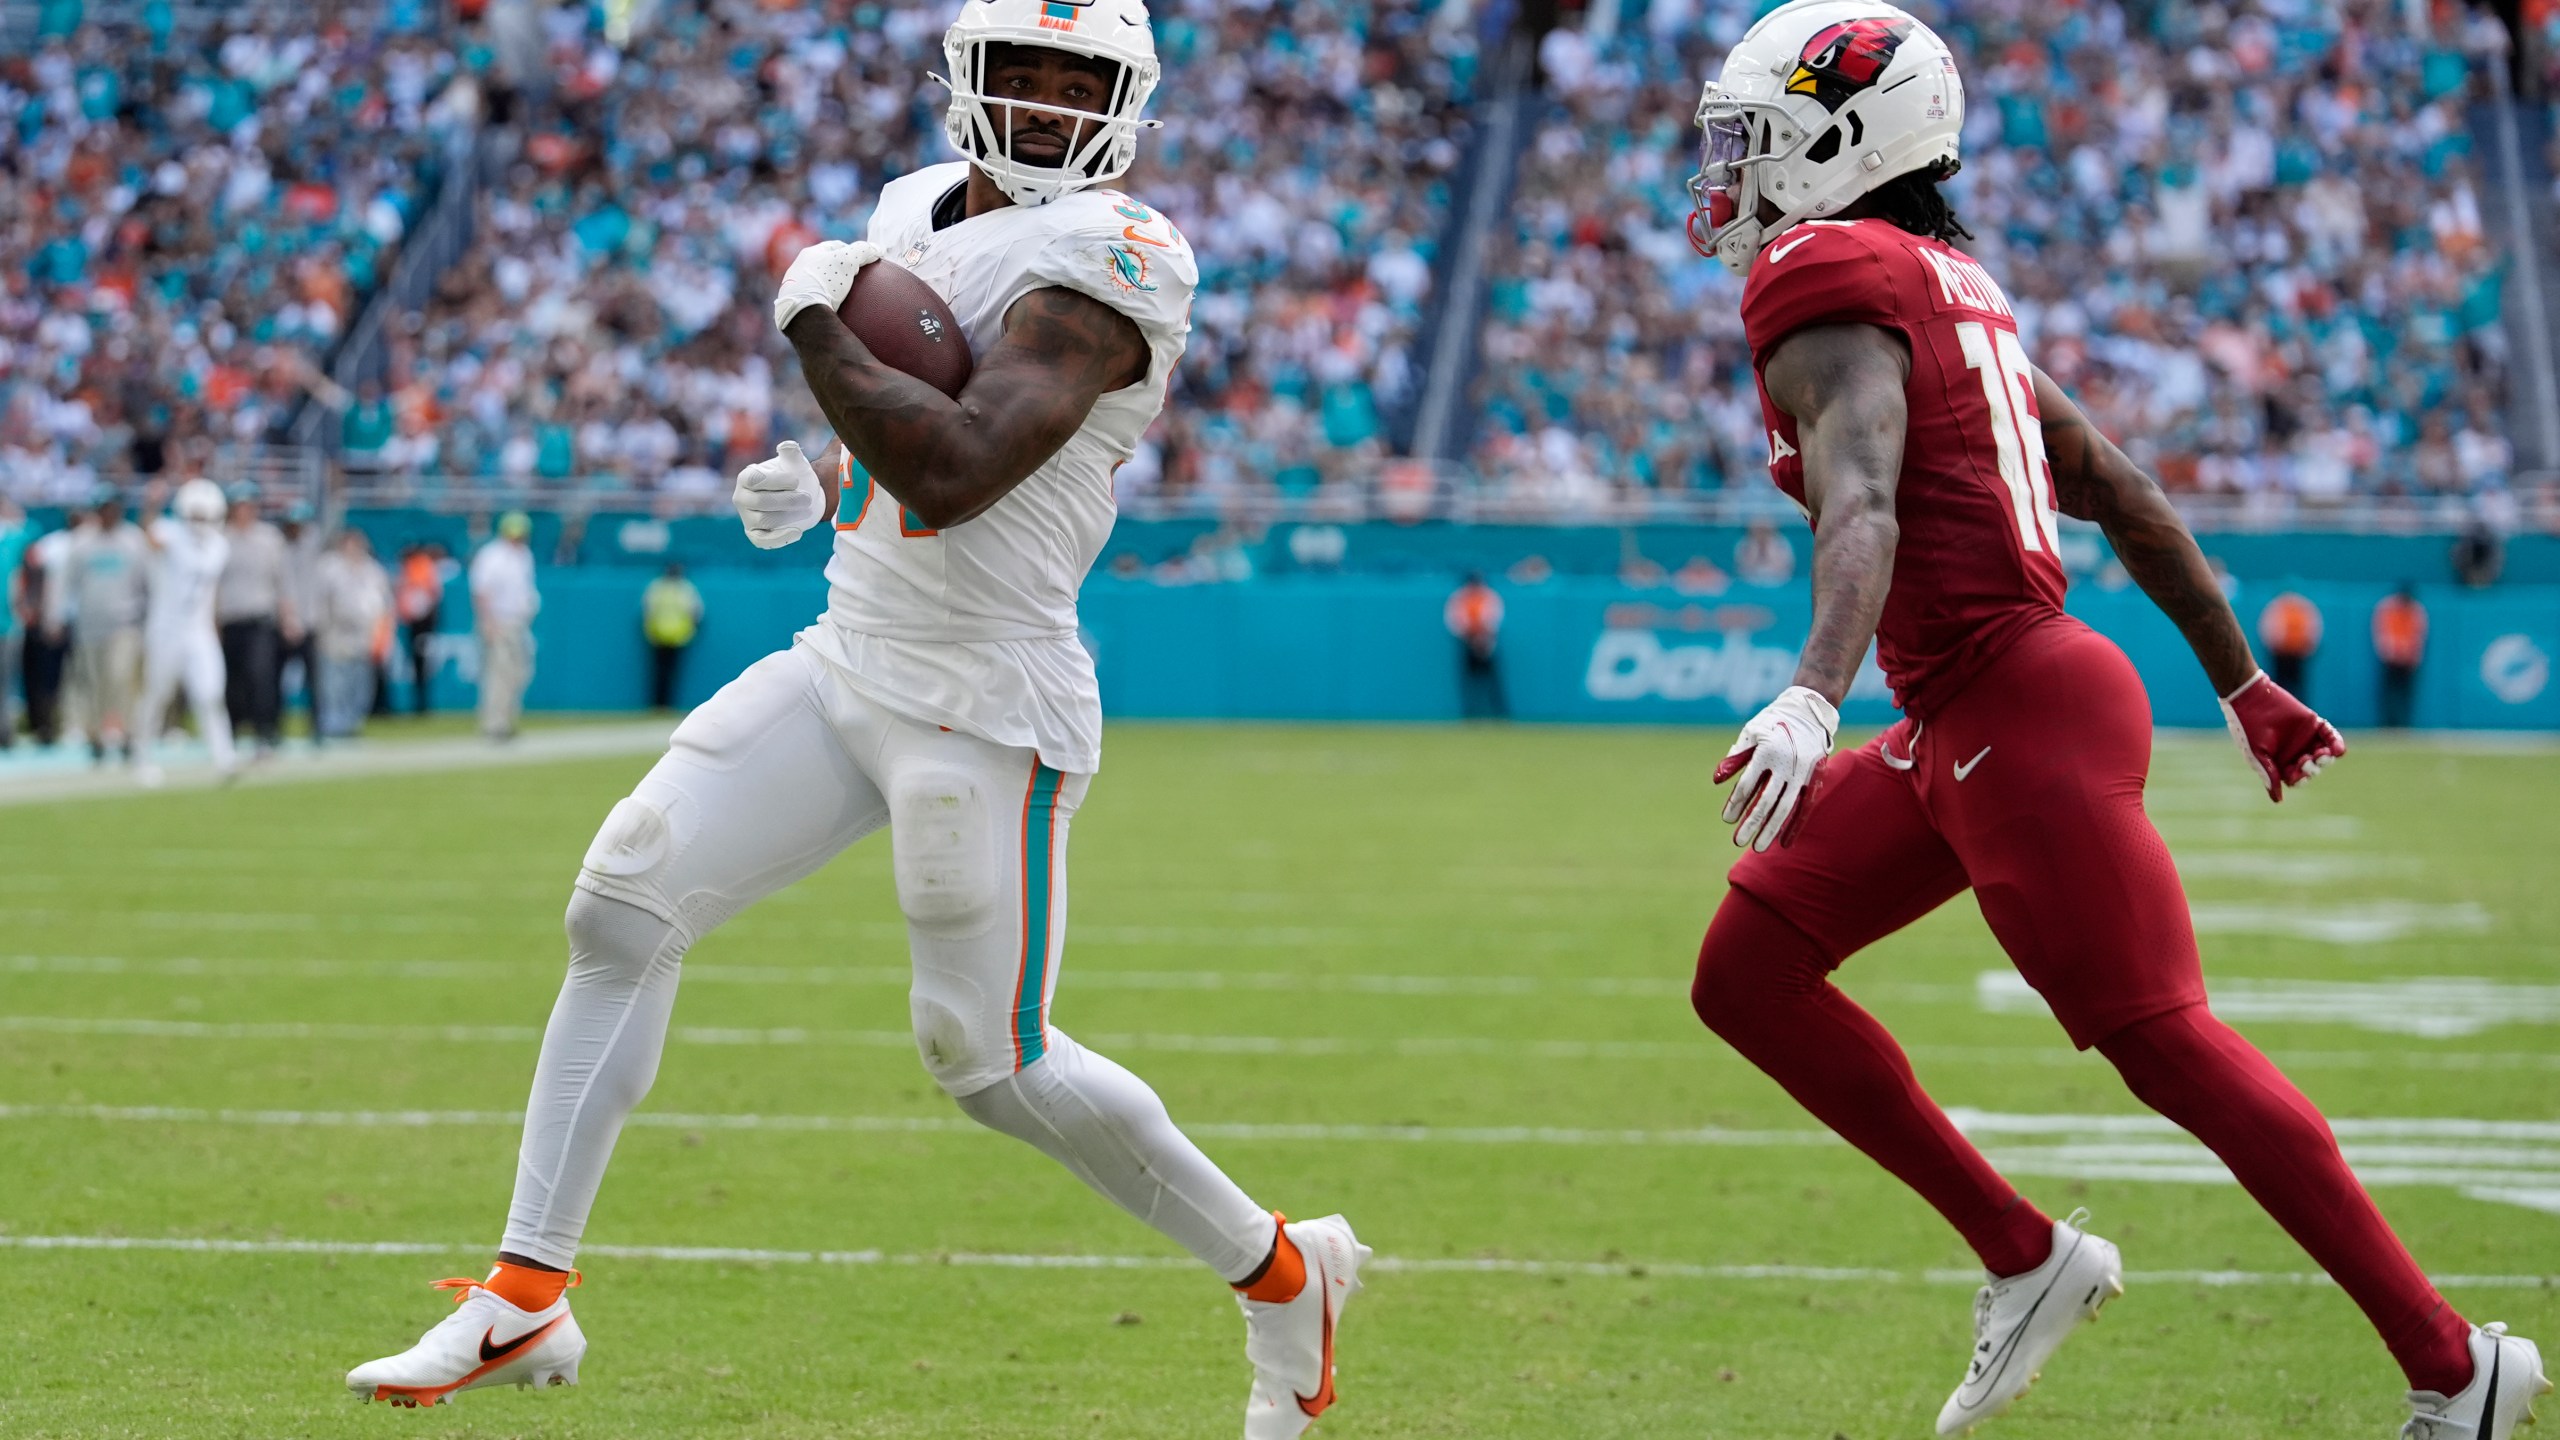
(2249, 234)
(188, 223)
(607, 329)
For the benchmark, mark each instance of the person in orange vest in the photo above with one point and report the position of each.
(2400, 643)
(2290, 630)
(419, 599)
(1474, 616)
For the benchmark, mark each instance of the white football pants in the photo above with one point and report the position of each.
(766, 782)
(192, 661)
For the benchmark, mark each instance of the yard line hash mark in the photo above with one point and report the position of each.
(1387, 1264)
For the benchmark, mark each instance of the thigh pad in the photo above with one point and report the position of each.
(947, 833)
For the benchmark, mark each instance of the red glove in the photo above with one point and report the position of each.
(2280, 735)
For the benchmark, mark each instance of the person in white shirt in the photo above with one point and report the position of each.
(943, 696)
(180, 647)
(107, 572)
(350, 628)
(504, 601)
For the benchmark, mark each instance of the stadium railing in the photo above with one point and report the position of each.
(439, 238)
(1413, 491)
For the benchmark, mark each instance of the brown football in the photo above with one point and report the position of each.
(899, 318)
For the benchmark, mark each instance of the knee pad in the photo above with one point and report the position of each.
(627, 859)
(606, 933)
(962, 1040)
(942, 835)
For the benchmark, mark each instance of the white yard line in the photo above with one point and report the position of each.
(2291, 867)
(2499, 1161)
(28, 783)
(928, 1125)
(1383, 1264)
(709, 973)
(2257, 830)
(2435, 1008)
(2104, 1131)
(1414, 1047)
(2372, 922)
(1409, 1047)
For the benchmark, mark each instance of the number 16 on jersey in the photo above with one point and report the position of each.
(2016, 433)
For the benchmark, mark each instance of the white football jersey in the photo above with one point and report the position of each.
(184, 570)
(974, 626)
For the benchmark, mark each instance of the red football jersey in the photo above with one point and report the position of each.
(1978, 562)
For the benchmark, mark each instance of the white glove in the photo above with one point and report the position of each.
(779, 498)
(1775, 759)
(820, 275)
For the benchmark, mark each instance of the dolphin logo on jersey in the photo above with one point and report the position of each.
(1841, 60)
(1129, 269)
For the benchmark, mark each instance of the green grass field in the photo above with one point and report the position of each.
(208, 999)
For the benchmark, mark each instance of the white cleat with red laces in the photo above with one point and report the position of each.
(1290, 1342)
(485, 1341)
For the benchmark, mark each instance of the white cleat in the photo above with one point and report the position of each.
(2019, 1322)
(485, 1341)
(1290, 1342)
(2506, 1378)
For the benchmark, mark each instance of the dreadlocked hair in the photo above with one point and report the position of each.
(1913, 202)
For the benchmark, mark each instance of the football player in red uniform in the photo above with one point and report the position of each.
(1931, 456)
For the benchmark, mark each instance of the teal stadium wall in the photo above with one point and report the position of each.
(1575, 649)
(1442, 548)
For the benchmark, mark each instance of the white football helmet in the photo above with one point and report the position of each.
(1823, 101)
(1116, 31)
(200, 502)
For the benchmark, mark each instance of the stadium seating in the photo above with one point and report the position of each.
(1309, 152)
(2249, 237)
(608, 333)
(190, 217)
(2261, 261)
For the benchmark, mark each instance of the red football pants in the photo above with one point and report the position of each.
(2027, 787)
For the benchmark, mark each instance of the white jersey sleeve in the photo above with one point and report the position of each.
(1131, 259)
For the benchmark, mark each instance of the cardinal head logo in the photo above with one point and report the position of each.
(1841, 60)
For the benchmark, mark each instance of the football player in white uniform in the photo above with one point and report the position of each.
(944, 695)
(179, 644)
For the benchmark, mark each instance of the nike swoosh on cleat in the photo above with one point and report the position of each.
(1319, 1402)
(490, 1359)
(2489, 1406)
(2000, 1360)
(489, 1352)
(1967, 767)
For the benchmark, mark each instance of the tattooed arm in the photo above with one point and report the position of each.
(948, 460)
(1843, 384)
(2092, 480)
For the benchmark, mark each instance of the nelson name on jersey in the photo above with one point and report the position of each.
(1962, 282)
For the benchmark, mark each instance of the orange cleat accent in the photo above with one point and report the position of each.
(1284, 1275)
(527, 1288)
(1322, 1400)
